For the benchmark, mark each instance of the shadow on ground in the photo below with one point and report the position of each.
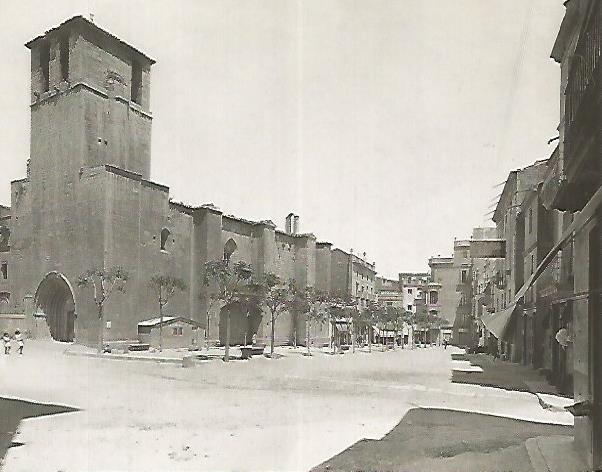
(502, 374)
(13, 411)
(430, 439)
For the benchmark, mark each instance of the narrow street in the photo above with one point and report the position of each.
(293, 413)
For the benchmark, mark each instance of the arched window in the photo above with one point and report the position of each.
(165, 234)
(229, 249)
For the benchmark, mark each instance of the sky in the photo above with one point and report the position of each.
(385, 125)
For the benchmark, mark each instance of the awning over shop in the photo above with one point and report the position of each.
(387, 333)
(497, 322)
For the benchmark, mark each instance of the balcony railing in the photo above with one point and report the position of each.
(581, 93)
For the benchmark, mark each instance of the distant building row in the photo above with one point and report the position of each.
(538, 301)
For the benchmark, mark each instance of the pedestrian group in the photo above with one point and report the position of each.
(18, 337)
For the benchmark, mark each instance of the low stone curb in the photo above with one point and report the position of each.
(161, 360)
(554, 454)
(538, 461)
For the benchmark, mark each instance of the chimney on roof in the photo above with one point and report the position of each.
(288, 227)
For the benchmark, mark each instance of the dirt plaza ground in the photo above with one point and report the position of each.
(291, 413)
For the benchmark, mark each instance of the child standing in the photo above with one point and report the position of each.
(20, 342)
(6, 341)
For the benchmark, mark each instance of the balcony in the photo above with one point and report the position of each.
(581, 118)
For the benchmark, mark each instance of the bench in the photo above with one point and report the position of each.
(139, 347)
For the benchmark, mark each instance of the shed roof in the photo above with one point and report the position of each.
(167, 320)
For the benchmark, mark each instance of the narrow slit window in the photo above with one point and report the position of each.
(136, 82)
(45, 65)
(4, 270)
(165, 233)
(64, 55)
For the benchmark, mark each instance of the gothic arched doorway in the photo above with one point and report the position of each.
(54, 298)
(244, 323)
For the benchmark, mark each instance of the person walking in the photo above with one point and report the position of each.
(6, 341)
(20, 341)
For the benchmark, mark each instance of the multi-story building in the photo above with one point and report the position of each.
(389, 293)
(473, 282)
(574, 186)
(482, 270)
(554, 288)
(463, 331)
(352, 276)
(412, 284)
(442, 296)
(508, 275)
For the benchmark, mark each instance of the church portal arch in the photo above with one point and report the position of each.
(54, 297)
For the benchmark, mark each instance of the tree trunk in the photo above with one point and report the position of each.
(272, 334)
(101, 320)
(227, 353)
(352, 337)
(207, 331)
(333, 337)
(307, 337)
(369, 338)
(160, 327)
(402, 335)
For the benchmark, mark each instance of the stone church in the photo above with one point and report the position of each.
(87, 201)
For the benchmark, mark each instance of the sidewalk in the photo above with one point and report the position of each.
(503, 427)
(502, 374)
(549, 453)
(444, 441)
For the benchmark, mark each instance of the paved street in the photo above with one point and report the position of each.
(291, 413)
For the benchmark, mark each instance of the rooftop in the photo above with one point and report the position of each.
(80, 21)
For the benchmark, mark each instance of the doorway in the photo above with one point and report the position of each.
(54, 298)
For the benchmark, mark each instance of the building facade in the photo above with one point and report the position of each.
(412, 285)
(574, 186)
(443, 296)
(87, 201)
(389, 293)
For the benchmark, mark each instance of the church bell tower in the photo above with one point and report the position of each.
(90, 103)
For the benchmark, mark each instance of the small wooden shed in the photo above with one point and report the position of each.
(178, 332)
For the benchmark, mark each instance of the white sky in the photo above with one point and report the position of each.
(384, 124)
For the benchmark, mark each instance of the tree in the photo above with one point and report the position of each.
(165, 286)
(311, 303)
(277, 298)
(425, 321)
(344, 306)
(104, 282)
(231, 284)
(408, 318)
(371, 316)
(354, 319)
(396, 318)
(384, 319)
